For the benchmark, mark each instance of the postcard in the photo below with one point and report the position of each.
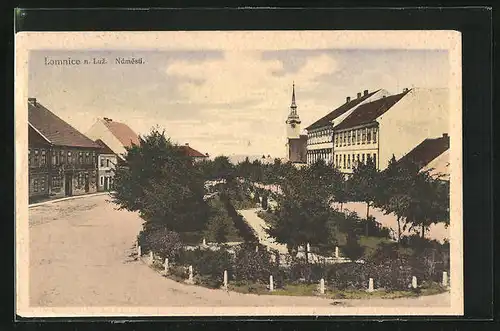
(238, 173)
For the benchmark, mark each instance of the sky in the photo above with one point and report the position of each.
(227, 100)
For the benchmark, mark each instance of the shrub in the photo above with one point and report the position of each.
(348, 276)
(300, 270)
(253, 266)
(178, 272)
(208, 265)
(165, 243)
(374, 228)
(352, 249)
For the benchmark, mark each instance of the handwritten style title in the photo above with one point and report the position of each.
(69, 61)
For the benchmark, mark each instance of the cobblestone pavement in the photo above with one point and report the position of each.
(81, 255)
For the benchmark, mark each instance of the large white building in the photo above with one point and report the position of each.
(377, 125)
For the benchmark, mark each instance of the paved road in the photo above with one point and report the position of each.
(80, 255)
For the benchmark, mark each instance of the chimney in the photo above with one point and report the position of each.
(348, 99)
(359, 95)
(187, 144)
(365, 92)
(445, 135)
(32, 101)
(107, 119)
(405, 89)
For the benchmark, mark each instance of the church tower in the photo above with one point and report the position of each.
(293, 120)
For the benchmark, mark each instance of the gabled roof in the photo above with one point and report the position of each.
(426, 151)
(370, 111)
(104, 148)
(54, 129)
(327, 119)
(122, 132)
(191, 152)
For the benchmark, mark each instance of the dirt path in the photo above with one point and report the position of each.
(80, 255)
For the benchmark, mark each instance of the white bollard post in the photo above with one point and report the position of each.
(271, 284)
(268, 249)
(370, 285)
(337, 255)
(204, 242)
(151, 257)
(139, 253)
(308, 247)
(225, 279)
(256, 248)
(190, 273)
(166, 265)
(414, 282)
(322, 286)
(445, 279)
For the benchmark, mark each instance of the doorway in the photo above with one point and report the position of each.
(106, 183)
(68, 185)
(87, 183)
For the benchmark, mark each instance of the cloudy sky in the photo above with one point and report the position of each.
(224, 101)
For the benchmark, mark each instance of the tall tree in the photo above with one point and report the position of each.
(162, 183)
(364, 183)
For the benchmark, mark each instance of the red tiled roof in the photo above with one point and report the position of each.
(326, 120)
(104, 148)
(191, 151)
(369, 112)
(122, 132)
(54, 129)
(426, 151)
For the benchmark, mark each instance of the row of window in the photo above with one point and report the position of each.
(105, 162)
(101, 181)
(38, 157)
(356, 137)
(322, 136)
(38, 185)
(82, 179)
(344, 161)
(325, 154)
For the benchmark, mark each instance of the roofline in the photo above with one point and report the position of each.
(41, 134)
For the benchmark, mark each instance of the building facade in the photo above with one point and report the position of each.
(106, 162)
(61, 160)
(390, 125)
(195, 155)
(296, 146)
(320, 134)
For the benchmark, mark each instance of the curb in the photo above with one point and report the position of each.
(68, 198)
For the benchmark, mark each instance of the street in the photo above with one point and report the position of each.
(80, 255)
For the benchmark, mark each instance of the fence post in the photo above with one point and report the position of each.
(445, 278)
(370, 285)
(337, 255)
(139, 253)
(166, 265)
(414, 282)
(151, 257)
(271, 284)
(322, 286)
(204, 242)
(225, 280)
(190, 279)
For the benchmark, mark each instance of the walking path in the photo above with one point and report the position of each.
(81, 256)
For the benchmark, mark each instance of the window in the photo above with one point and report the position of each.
(345, 138)
(363, 138)
(349, 161)
(336, 160)
(102, 180)
(29, 157)
(43, 158)
(35, 161)
(80, 157)
(363, 157)
(375, 159)
(71, 158)
(359, 135)
(102, 161)
(61, 156)
(107, 163)
(42, 184)
(87, 158)
(374, 135)
(349, 138)
(56, 181)
(343, 157)
(35, 185)
(353, 160)
(336, 140)
(369, 136)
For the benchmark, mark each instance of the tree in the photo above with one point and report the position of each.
(303, 214)
(364, 183)
(162, 183)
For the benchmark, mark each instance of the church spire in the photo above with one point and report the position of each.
(293, 106)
